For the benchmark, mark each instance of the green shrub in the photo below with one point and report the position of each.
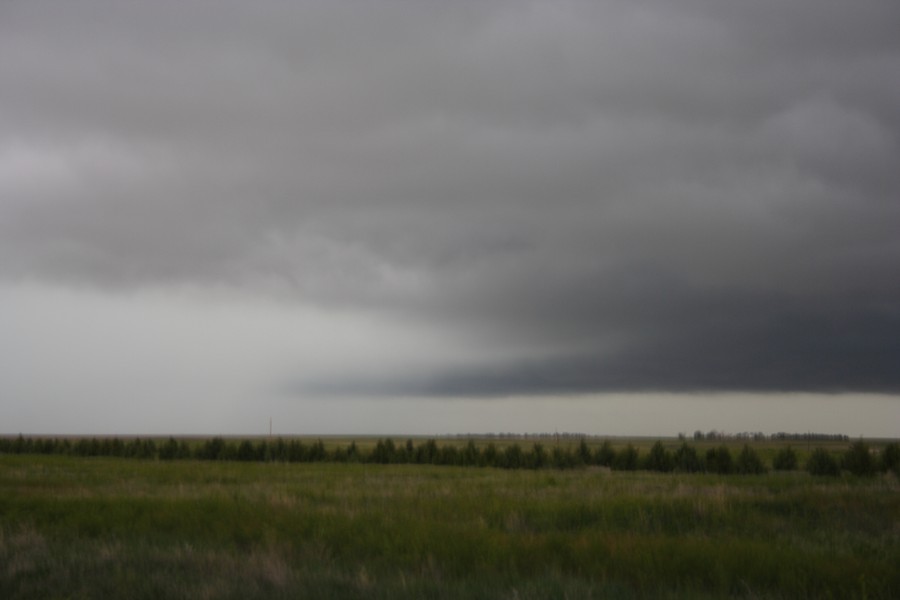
(785, 460)
(169, 450)
(718, 460)
(385, 452)
(490, 454)
(563, 459)
(626, 459)
(449, 455)
(686, 460)
(213, 449)
(890, 458)
(858, 459)
(536, 458)
(605, 455)
(658, 459)
(245, 451)
(822, 463)
(583, 453)
(470, 455)
(511, 457)
(748, 462)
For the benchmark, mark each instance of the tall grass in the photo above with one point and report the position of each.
(94, 527)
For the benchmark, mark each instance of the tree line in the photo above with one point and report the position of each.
(759, 436)
(858, 459)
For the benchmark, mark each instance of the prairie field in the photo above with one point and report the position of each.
(91, 527)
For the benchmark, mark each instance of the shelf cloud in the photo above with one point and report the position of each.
(556, 197)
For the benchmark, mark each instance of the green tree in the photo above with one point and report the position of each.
(471, 457)
(605, 455)
(81, 448)
(427, 453)
(583, 453)
(184, 450)
(890, 458)
(658, 459)
(384, 452)
(785, 460)
(858, 459)
(490, 455)
(212, 449)
(449, 455)
(718, 460)
(245, 451)
(822, 463)
(296, 451)
(537, 458)
(626, 459)
(317, 452)
(686, 460)
(512, 457)
(352, 452)
(748, 462)
(168, 450)
(562, 458)
(117, 447)
(148, 449)
(279, 450)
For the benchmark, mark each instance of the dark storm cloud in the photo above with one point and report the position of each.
(687, 195)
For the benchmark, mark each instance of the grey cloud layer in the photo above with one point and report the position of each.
(638, 195)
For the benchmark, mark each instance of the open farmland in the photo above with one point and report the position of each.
(91, 527)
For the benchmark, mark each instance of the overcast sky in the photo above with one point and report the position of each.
(421, 217)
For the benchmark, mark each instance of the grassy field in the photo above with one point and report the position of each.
(106, 527)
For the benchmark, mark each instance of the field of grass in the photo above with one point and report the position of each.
(74, 527)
